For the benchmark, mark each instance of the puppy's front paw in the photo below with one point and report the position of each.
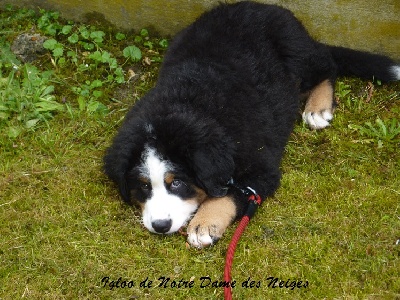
(203, 235)
(210, 222)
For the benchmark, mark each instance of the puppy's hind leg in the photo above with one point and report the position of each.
(320, 105)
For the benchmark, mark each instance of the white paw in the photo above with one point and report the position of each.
(199, 241)
(317, 120)
(201, 236)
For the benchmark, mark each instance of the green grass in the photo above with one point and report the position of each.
(334, 222)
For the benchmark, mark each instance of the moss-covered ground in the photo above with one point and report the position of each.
(334, 224)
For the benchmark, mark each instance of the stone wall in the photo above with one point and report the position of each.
(362, 24)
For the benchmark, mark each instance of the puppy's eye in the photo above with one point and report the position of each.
(176, 184)
(145, 186)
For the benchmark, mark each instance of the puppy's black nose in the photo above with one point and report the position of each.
(162, 226)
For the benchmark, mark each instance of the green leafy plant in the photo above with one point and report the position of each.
(88, 95)
(8, 60)
(26, 99)
(120, 36)
(86, 66)
(57, 50)
(343, 94)
(133, 53)
(93, 59)
(97, 36)
(381, 132)
(342, 90)
(163, 43)
(48, 22)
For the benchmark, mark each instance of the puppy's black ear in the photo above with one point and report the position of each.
(201, 142)
(120, 156)
(213, 165)
(213, 169)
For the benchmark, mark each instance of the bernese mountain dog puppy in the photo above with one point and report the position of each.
(221, 113)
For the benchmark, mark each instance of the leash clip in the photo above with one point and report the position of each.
(255, 198)
(254, 201)
(252, 196)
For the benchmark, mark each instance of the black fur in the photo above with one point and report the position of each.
(227, 98)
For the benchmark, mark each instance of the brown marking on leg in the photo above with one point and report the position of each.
(321, 98)
(320, 105)
(211, 220)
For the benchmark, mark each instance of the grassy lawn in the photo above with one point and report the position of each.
(333, 224)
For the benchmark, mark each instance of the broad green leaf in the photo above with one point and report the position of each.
(96, 83)
(66, 29)
(92, 106)
(50, 44)
(48, 106)
(120, 36)
(97, 94)
(133, 53)
(48, 90)
(57, 52)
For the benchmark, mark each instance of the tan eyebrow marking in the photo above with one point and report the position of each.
(169, 177)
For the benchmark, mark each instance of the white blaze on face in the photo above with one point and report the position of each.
(162, 205)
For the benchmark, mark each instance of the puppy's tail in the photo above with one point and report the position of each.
(365, 65)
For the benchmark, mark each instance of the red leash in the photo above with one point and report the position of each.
(255, 201)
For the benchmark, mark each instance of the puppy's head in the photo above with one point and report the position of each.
(170, 165)
(166, 194)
